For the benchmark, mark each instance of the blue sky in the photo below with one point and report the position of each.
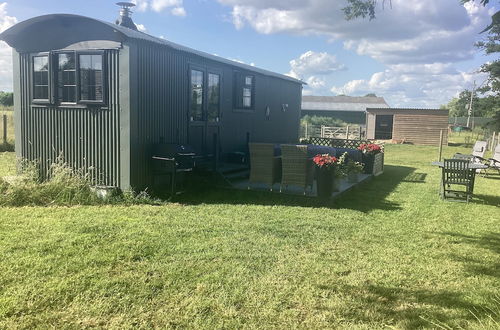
(415, 54)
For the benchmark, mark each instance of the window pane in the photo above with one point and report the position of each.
(247, 101)
(91, 82)
(248, 80)
(213, 96)
(196, 111)
(66, 78)
(41, 77)
(247, 92)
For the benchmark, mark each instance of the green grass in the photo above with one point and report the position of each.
(388, 254)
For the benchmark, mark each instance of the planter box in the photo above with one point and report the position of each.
(373, 164)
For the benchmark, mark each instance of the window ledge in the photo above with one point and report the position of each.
(243, 110)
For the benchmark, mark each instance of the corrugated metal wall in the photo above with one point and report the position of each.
(163, 101)
(87, 138)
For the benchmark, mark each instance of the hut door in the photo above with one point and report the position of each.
(383, 127)
(204, 111)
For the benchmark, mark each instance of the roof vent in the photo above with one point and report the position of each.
(125, 13)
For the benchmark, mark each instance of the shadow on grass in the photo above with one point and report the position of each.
(412, 309)
(486, 199)
(365, 197)
(478, 266)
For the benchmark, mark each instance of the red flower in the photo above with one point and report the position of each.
(324, 160)
(370, 148)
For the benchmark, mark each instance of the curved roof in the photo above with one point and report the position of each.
(18, 37)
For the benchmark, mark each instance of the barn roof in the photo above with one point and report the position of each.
(409, 110)
(16, 32)
(342, 103)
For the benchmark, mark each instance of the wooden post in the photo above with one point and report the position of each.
(492, 147)
(440, 144)
(347, 133)
(5, 129)
(307, 137)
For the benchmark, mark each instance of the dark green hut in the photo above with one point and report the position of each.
(101, 95)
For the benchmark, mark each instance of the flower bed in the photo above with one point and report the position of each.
(373, 158)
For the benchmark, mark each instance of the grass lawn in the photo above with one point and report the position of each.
(388, 254)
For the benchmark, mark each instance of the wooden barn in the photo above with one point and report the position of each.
(103, 94)
(416, 126)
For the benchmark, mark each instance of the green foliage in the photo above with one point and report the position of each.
(322, 120)
(360, 8)
(485, 106)
(6, 99)
(388, 254)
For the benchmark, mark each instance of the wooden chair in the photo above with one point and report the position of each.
(264, 166)
(456, 172)
(297, 168)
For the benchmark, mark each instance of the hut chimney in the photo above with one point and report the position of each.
(125, 13)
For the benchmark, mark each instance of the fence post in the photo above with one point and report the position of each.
(5, 129)
(347, 133)
(492, 146)
(440, 144)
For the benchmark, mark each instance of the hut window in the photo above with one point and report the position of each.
(196, 108)
(244, 87)
(66, 77)
(213, 96)
(91, 77)
(41, 78)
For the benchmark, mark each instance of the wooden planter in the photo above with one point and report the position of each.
(373, 164)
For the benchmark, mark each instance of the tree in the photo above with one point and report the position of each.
(6, 99)
(485, 106)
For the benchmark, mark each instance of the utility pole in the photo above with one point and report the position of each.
(470, 104)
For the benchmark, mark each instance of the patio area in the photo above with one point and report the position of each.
(344, 186)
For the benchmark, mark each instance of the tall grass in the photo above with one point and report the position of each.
(63, 186)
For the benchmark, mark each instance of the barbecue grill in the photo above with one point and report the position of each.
(170, 163)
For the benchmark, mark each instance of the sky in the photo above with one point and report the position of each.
(416, 53)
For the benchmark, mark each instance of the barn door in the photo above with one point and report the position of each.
(204, 110)
(383, 127)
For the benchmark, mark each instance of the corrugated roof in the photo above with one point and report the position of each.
(137, 35)
(406, 109)
(342, 103)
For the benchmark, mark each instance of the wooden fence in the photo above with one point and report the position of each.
(345, 132)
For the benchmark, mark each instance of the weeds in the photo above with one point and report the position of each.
(62, 186)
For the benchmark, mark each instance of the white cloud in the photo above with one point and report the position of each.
(178, 11)
(418, 41)
(175, 6)
(141, 27)
(413, 85)
(141, 5)
(314, 63)
(160, 5)
(6, 21)
(426, 31)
